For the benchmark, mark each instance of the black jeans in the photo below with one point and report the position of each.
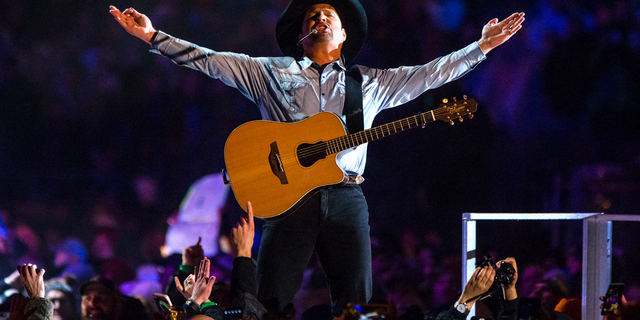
(334, 222)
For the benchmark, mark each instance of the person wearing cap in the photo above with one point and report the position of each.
(319, 38)
(63, 299)
(101, 300)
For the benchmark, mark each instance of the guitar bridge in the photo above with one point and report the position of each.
(276, 164)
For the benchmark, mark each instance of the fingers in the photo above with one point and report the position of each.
(476, 273)
(210, 282)
(250, 213)
(114, 10)
(199, 239)
(207, 265)
(178, 284)
(135, 13)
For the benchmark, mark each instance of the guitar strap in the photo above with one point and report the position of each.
(353, 100)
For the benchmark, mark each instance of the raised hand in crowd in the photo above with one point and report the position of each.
(243, 233)
(191, 256)
(625, 311)
(203, 282)
(479, 283)
(510, 290)
(187, 289)
(33, 281)
(134, 22)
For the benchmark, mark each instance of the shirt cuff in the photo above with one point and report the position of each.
(159, 38)
(474, 53)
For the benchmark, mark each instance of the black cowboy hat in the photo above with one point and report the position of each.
(352, 16)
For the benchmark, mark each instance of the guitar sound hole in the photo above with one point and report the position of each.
(308, 154)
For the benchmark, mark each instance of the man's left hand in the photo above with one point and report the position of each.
(495, 32)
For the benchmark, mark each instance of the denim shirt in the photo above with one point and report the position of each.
(287, 90)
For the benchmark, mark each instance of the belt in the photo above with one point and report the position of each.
(355, 179)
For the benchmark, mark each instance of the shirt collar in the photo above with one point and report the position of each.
(306, 63)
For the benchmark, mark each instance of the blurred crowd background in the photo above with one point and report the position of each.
(100, 139)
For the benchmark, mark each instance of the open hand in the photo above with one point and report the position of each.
(495, 32)
(204, 283)
(187, 290)
(134, 22)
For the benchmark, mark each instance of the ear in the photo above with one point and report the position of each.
(344, 35)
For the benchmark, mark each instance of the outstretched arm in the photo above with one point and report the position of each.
(495, 32)
(136, 23)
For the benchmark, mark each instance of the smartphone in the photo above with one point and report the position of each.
(613, 298)
(163, 303)
(529, 309)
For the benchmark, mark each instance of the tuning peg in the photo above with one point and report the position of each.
(455, 99)
(445, 100)
(470, 115)
(460, 119)
(451, 122)
(464, 97)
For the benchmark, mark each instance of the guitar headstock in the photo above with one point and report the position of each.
(456, 109)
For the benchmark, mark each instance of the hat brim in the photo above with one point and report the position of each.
(352, 16)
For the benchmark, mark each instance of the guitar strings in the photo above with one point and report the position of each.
(349, 141)
(344, 142)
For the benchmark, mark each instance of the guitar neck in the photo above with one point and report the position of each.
(355, 139)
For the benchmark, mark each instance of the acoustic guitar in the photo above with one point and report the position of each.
(275, 165)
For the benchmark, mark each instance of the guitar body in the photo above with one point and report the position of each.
(267, 163)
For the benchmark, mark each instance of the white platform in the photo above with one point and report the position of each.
(596, 250)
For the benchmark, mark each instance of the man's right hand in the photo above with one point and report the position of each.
(136, 23)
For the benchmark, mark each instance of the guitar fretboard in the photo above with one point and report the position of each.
(355, 139)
